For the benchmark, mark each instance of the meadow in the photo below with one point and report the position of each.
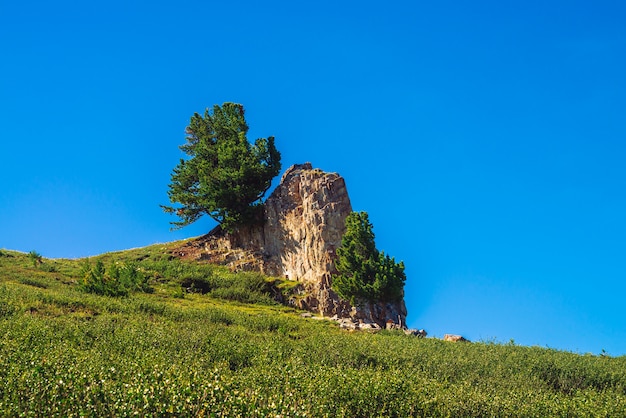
(189, 339)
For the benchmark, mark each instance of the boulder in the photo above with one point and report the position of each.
(455, 338)
(420, 333)
(347, 323)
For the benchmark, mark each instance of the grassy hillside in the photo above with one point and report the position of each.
(228, 350)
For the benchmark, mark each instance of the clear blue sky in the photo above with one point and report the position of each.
(487, 140)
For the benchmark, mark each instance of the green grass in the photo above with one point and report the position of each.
(224, 349)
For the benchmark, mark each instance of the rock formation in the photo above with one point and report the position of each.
(305, 221)
(303, 226)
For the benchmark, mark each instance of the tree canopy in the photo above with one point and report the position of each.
(365, 274)
(225, 175)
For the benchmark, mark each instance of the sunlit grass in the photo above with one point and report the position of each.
(65, 352)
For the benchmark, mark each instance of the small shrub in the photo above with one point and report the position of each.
(35, 258)
(193, 284)
(118, 281)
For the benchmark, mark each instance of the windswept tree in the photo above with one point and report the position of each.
(365, 274)
(225, 176)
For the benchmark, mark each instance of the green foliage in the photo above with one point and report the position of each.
(35, 258)
(226, 176)
(365, 274)
(120, 280)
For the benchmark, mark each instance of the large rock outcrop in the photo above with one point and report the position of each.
(303, 226)
(304, 223)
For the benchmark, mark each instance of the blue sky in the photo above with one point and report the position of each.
(486, 140)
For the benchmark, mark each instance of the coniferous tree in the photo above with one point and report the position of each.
(226, 176)
(365, 274)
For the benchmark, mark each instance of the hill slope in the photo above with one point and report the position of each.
(231, 351)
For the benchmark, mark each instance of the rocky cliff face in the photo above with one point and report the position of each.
(305, 219)
(304, 223)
